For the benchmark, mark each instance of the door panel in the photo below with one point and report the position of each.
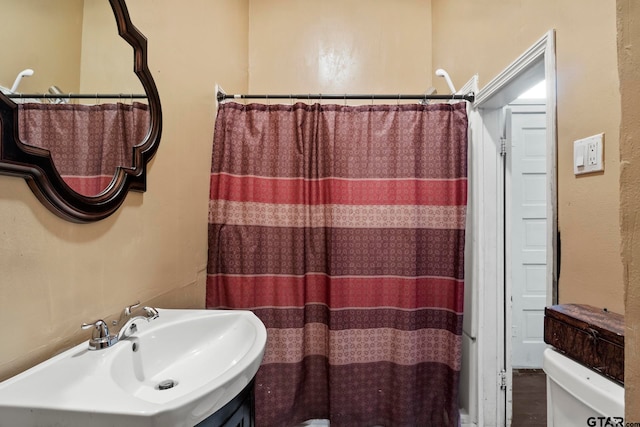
(528, 235)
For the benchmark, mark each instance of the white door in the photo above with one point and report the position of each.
(527, 223)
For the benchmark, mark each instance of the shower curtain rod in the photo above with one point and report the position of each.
(124, 96)
(221, 96)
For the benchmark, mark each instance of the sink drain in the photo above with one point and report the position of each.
(166, 384)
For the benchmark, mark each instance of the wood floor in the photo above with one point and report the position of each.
(529, 398)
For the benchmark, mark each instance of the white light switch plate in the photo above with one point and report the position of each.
(588, 154)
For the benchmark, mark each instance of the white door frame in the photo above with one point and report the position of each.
(485, 234)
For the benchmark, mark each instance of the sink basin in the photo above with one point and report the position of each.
(175, 370)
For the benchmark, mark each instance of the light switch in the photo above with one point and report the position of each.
(588, 154)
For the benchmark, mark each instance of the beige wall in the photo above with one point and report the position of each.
(492, 34)
(335, 46)
(47, 41)
(54, 274)
(629, 55)
(107, 59)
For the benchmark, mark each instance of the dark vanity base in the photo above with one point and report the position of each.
(237, 413)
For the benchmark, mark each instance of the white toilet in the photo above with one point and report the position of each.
(577, 396)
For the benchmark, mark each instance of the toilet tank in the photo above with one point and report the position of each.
(578, 396)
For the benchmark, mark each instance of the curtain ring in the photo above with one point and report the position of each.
(345, 99)
(398, 101)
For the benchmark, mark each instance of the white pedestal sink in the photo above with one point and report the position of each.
(176, 370)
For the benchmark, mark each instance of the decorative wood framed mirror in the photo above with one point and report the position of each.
(27, 115)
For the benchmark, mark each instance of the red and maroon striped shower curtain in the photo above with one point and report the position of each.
(342, 228)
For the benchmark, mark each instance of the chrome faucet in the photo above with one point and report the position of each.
(128, 319)
(101, 338)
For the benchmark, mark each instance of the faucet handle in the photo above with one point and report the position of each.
(101, 330)
(128, 309)
(152, 312)
(100, 337)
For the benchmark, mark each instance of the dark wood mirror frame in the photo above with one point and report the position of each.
(36, 166)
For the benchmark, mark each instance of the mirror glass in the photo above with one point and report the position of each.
(73, 47)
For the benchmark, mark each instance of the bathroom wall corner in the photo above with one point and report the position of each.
(628, 18)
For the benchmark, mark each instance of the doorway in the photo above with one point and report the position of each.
(525, 210)
(491, 346)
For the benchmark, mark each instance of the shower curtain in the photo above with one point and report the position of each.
(342, 229)
(86, 142)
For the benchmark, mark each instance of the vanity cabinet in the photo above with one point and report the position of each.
(237, 413)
